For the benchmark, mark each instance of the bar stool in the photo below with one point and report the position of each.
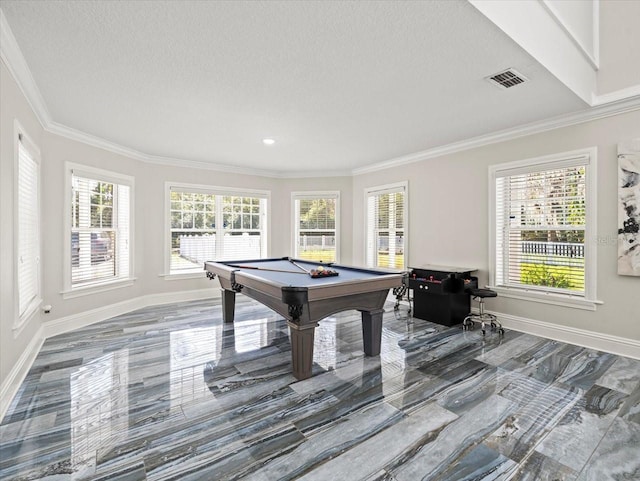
(483, 317)
(400, 292)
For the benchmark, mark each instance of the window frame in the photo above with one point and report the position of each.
(314, 195)
(94, 173)
(588, 158)
(22, 138)
(382, 189)
(218, 191)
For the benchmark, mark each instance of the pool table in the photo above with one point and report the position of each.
(286, 286)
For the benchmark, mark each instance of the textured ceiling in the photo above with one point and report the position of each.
(339, 85)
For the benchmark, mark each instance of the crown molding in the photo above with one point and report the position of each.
(85, 138)
(79, 136)
(621, 105)
(12, 57)
(624, 100)
(299, 174)
(616, 96)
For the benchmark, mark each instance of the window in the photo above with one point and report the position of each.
(100, 227)
(315, 225)
(387, 226)
(212, 223)
(542, 220)
(27, 227)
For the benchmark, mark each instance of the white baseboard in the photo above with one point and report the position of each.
(10, 385)
(86, 318)
(183, 296)
(571, 335)
(580, 337)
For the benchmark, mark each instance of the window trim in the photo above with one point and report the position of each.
(314, 195)
(381, 189)
(21, 136)
(207, 189)
(82, 170)
(589, 301)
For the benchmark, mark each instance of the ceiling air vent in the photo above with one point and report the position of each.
(508, 78)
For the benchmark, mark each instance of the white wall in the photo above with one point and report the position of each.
(17, 352)
(14, 106)
(448, 202)
(619, 40)
(149, 221)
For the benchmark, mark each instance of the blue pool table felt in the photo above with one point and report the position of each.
(302, 279)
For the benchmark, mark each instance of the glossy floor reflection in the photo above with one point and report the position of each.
(170, 392)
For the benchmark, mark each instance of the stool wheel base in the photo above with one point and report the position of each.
(484, 318)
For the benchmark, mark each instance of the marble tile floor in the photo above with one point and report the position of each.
(170, 392)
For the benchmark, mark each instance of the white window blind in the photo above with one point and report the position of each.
(315, 225)
(100, 229)
(386, 227)
(28, 221)
(541, 219)
(193, 233)
(242, 232)
(209, 224)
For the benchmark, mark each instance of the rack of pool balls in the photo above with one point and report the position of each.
(322, 271)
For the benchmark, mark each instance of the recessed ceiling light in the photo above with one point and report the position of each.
(268, 141)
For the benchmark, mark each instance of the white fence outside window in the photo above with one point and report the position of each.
(317, 242)
(201, 248)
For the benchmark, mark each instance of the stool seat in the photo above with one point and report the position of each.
(482, 293)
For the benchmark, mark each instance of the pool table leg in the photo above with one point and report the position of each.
(372, 331)
(302, 350)
(228, 305)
